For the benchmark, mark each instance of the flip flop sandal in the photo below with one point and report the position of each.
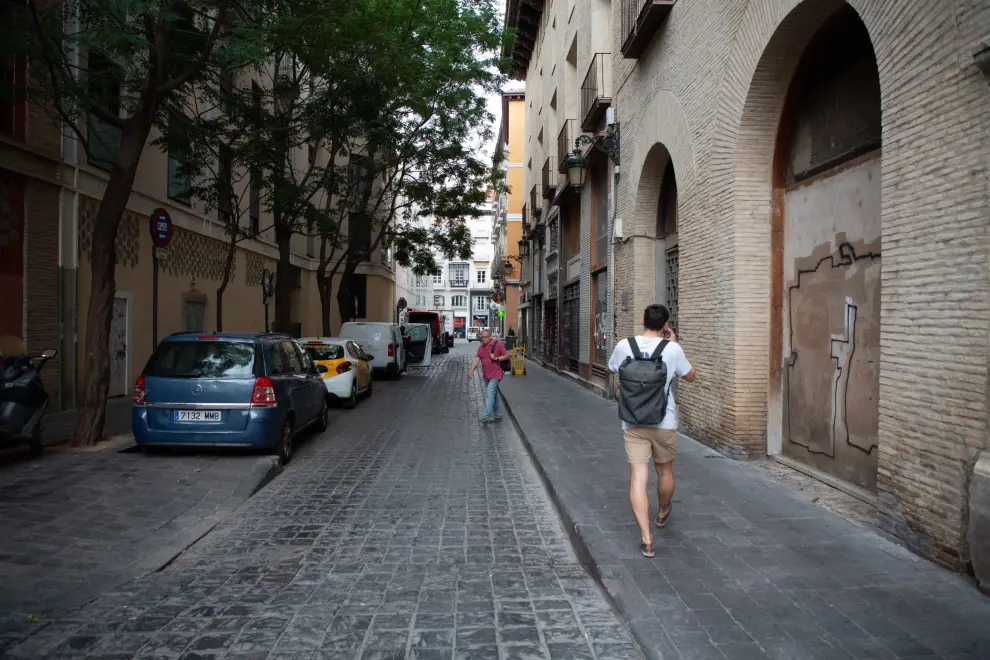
(647, 550)
(663, 521)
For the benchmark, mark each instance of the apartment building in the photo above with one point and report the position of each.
(826, 167)
(463, 289)
(49, 196)
(31, 300)
(508, 270)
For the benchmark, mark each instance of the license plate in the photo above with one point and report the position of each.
(197, 416)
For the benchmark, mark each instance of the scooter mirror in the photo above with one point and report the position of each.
(49, 354)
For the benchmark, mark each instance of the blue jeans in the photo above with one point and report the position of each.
(491, 399)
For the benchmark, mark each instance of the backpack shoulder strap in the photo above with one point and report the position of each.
(634, 348)
(659, 349)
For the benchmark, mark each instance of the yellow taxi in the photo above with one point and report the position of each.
(343, 366)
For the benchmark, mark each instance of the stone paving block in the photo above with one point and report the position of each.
(745, 567)
(403, 532)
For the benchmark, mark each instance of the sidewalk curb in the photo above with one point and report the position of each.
(581, 548)
(261, 474)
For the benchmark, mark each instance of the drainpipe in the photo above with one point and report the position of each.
(74, 255)
(611, 268)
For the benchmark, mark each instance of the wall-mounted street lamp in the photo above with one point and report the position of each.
(524, 248)
(607, 143)
(577, 170)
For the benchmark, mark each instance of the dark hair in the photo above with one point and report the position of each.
(655, 317)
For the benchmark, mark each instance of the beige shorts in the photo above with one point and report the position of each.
(642, 442)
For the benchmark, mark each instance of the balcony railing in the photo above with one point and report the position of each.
(565, 143)
(596, 91)
(549, 177)
(535, 201)
(640, 21)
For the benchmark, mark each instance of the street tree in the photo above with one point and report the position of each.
(423, 142)
(109, 69)
(386, 98)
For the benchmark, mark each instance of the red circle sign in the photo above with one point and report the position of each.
(161, 228)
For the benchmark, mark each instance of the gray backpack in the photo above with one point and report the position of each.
(643, 386)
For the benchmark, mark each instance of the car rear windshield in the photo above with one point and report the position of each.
(320, 352)
(203, 359)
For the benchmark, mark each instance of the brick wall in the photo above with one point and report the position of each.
(717, 118)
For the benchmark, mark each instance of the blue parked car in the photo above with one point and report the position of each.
(228, 389)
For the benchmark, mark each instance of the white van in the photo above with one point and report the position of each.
(381, 340)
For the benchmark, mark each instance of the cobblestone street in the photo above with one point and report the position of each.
(406, 531)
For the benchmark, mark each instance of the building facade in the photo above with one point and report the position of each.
(828, 174)
(49, 197)
(31, 301)
(507, 223)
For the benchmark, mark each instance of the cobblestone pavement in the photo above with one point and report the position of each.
(746, 567)
(77, 523)
(407, 531)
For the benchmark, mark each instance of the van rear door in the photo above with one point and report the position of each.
(419, 349)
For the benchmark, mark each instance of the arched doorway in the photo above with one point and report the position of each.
(825, 242)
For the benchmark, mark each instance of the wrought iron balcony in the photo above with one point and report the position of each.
(565, 143)
(596, 91)
(535, 201)
(640, 21)
(549, 177)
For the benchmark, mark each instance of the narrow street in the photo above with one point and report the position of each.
(407, 530)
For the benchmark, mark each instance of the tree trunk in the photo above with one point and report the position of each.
(283, 274)
(325, 286)
(231, 253)
(91, 413)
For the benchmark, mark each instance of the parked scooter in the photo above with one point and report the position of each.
(23, 399)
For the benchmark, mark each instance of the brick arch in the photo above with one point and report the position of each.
(662, 133)
(761, 63)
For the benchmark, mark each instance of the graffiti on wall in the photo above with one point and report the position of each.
(832, 375)
(601, 331)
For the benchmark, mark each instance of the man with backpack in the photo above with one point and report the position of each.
(647, 365)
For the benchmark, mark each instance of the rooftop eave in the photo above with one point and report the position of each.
(524, 17)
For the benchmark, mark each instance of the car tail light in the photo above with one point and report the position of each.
(343, 367)
(264, 393)
(207, 338)
(391, 350)
(138, 397)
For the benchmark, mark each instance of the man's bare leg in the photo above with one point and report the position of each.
(665, 487)
(639, 477)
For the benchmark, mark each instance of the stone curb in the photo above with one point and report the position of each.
(581, 547)
(262, 472)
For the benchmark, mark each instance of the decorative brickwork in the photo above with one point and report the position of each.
(254, 270)
(127, 245)
(196, 255)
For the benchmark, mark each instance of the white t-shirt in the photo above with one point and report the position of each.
(677, 367)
